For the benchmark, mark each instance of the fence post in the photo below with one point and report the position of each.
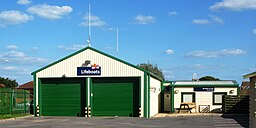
(24, 96)
(11, 99)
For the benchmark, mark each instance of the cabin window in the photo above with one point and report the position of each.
(187, 97)
(217, 97)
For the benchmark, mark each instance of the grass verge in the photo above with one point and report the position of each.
(7, 116)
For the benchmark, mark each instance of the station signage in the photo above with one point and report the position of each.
(88, 69)
(206, 89)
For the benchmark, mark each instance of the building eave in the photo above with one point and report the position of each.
(250, 75)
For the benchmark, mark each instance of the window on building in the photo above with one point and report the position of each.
(187, 97)
(217, 97)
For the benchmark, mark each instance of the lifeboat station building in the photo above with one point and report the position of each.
(92, 83)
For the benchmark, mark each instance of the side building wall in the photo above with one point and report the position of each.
(201, 98)
(155, 96)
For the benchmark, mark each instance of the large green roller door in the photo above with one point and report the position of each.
(62, 97)
(115, 97)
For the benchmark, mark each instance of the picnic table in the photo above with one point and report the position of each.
(187, 106)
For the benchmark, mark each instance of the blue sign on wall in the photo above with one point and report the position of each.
(207, 89)
(81, 71)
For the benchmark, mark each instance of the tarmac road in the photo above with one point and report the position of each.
(179, 121)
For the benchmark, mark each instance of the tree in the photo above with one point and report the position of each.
(153, 69)
(208, 78)
(8, 82)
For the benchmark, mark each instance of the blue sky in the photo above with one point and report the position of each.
(181, 37)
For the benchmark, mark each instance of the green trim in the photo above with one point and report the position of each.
(148, 90)
(40, 97)
(91, 96)
(210, 85)
(140, 96)
(162, 96)
(172, 99)
(235, 84)
(193, 96)
(95, 50)
(250, 75)
(86, 90)
(34, 95)
(238, 91)
(213, 98)
(145, 95)
(154, 75)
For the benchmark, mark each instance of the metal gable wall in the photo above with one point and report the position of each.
(109, 67)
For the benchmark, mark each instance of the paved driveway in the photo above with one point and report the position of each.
(180, 121)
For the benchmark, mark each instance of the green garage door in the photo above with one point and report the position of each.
(115, 97)
(62, 97)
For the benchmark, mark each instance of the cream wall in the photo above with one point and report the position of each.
(201, 98)
(155, 90)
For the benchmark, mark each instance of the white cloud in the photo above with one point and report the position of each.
(49, 11)
(205, 54)
(233, 52)
(12, 47)
(95, 21)
(74, 47)
(169, 51)
(201, 21)
(20, 57)
(234, 5)
(214, 54)
(14, 54)
(143, 19)
(8, 68)
(23, 2)
(216, 19)
(173, 13)
(254, 31)
(13, 17)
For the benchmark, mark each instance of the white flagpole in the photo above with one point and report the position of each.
(89, 26)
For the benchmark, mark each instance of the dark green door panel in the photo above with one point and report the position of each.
(115, 96)
(62, 97)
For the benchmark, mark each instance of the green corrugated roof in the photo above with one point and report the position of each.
(222, 83)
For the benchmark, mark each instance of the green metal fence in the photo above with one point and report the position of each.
(14, 101)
